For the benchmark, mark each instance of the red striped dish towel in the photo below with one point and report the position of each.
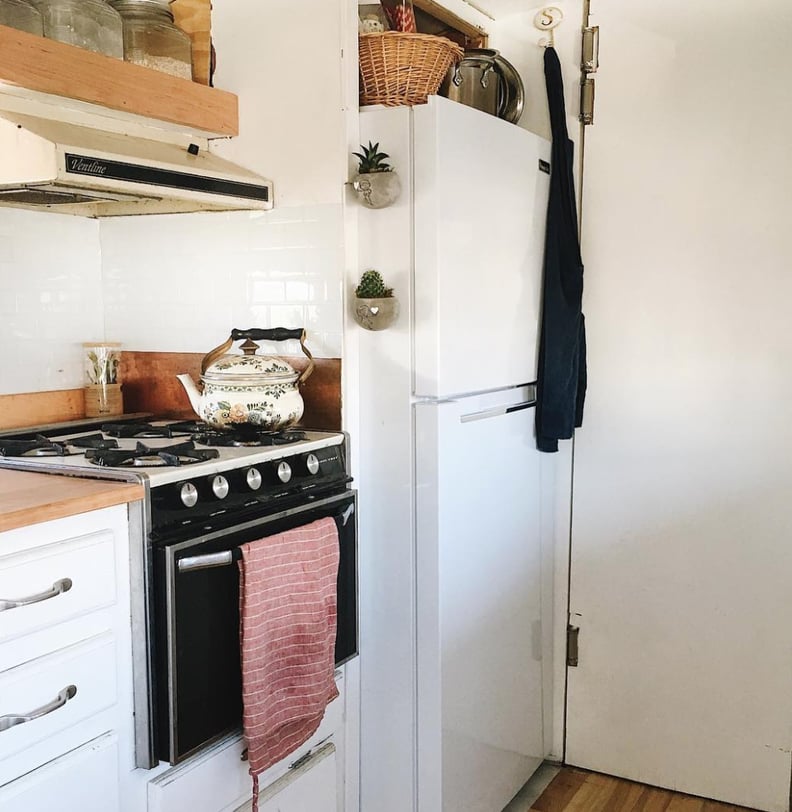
(287, 635)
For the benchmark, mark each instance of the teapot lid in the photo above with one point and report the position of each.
(248, 367)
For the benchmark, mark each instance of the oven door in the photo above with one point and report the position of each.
(198, 678)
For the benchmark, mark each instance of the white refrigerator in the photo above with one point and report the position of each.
(455, 571)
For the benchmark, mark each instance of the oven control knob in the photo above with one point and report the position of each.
(312, 464)
(253, 478)
(220, 487)
(283, 471)
(188, 494)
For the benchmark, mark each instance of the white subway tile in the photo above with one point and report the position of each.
(264, 293)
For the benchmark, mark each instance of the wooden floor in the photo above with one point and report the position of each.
(574, 790)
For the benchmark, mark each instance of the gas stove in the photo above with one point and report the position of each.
(206, 493)
(193, 474)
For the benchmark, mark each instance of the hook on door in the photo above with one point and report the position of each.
(548, 19)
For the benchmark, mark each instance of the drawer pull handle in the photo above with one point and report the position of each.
(12, 720)
(64, 585)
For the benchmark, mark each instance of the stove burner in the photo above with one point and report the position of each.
(187, 427)
(142, 455)
(145, 430)
(92, 441)
(40, 447)
(246, 435)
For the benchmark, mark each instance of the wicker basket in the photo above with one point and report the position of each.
(398, 68)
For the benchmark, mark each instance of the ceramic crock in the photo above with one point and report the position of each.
(255, 389)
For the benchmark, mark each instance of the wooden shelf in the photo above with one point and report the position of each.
(433, 18)
(47, 66)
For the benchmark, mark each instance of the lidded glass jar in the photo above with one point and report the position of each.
(151, 38)
(21, 15)
(90, 24)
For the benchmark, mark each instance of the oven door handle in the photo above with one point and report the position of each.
(208, 561)
(228, 557)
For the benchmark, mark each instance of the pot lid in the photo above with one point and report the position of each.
(250, 369)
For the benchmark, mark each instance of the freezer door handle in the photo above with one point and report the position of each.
(497, 411)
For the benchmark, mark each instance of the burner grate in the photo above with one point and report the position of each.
(143, 456)
(145, 431)
(39, 447)
(247, 435)
(92, 441)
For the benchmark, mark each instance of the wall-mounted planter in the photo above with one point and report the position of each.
(376, 314)
(376, 190)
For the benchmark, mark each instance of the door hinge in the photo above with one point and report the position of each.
(573, 632)
(589, 60)
(587, 101)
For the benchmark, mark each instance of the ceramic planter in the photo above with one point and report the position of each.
(376, 190)
(376, 314)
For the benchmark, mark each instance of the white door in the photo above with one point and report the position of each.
(480, 203)
(682, 523)
(479, 602)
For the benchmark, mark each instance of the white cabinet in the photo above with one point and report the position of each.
(55, 582)
(65, 662)
(84, 780)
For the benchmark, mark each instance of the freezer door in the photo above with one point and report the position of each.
(480, 195)
(479, 583)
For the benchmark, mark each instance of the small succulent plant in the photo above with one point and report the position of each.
(371, 160)
(372, 286)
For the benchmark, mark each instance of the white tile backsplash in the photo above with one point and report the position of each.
(175, 283)
(180, 283)
(50, 299)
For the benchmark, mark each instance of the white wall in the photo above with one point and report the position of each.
(50, 299)
(180, 283)
(283, 59)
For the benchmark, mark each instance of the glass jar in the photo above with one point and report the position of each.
(90, 24)
(102, 381)
(152, 40)
(21, 15)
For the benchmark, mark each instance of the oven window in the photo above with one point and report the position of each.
(197, 621)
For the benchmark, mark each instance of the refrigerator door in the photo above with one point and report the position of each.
(480, 200)
(478, 596)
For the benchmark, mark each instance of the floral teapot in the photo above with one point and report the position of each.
(249, 388)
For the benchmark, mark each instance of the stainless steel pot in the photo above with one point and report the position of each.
(485, 80)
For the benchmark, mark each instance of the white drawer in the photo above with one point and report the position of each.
(312, 785)
(85, 569)
(85, 780)
(73, 685)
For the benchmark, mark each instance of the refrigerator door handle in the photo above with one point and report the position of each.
(485, 414)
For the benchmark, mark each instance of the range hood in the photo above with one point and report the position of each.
(72, 169)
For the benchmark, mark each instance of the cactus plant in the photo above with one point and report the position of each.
(372, 286)
(371, 160)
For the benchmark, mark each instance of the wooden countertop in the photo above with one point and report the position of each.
(30, 498)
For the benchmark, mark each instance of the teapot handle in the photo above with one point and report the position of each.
(260, 334)
(272, 334)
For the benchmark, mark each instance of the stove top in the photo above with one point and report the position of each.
(159, 451)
